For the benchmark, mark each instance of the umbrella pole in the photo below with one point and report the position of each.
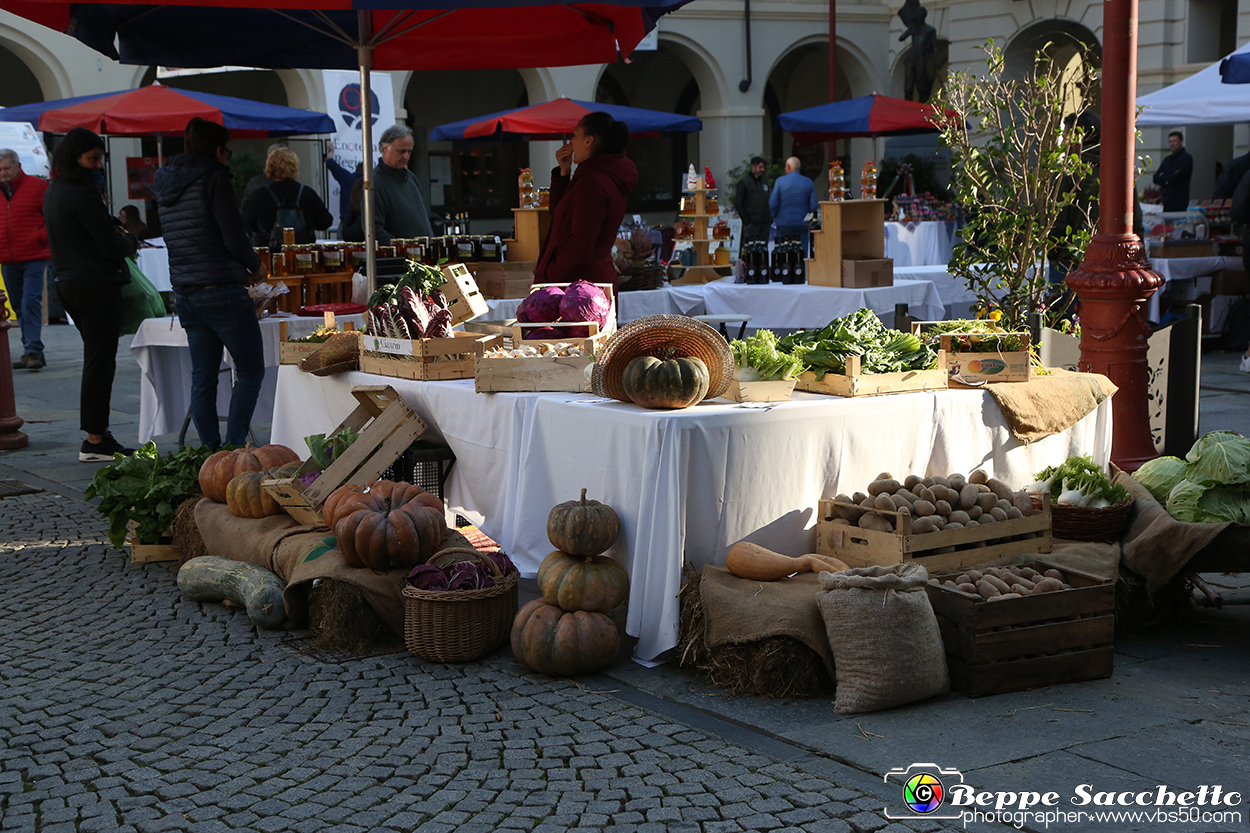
(365, 54)
(160, 150)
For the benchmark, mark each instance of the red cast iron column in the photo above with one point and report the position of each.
(10, 437)
(1115, 280)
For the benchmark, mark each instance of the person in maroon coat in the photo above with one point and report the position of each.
(23, 253)
(587, 207)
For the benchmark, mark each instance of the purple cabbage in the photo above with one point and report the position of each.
(427, 577)
(583, 301)
(544, 333)
(502, 561)
(541, 305)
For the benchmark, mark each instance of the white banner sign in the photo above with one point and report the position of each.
(19, 136)
(343, 103)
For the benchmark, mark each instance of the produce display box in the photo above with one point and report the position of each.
(530, 375)
(164, 550)
(424, 359)
(387, 428)
(771, 391)
(942, 550)
(1015, 644)
(856, 383)
(611, 322)
(464, 299)
(864, 273)
(294, 352)
(1014, 366)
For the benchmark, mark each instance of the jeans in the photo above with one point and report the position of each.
(96, 308)
(217, 317)
(24, 284)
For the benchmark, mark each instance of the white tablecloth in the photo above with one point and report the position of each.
(927, 243)
(688, 483)
(802, 306)
(154, 263)
(160, 349)
(1185, 268)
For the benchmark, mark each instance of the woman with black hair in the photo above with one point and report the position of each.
(588, 206)
(89, 251)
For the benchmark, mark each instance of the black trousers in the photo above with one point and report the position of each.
(96, 309)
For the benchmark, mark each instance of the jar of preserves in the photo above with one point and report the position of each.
(301, 259)
(492, 249)
(721, 231)
(687, 206)
(263, 253)
(683, 230)
(332, 258)
(277, 263)
(356, 256)
(288, 237)
(466, 249)
(713, 207)
(544, 197)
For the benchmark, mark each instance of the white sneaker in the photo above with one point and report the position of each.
(1245, 364)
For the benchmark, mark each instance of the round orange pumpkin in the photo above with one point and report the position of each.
(247, 499)
(220, 468)
(389, 527)
(571, 582)
(587, 527)
(348, 498)
(561, 644)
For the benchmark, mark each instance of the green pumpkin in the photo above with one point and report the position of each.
(671, 382)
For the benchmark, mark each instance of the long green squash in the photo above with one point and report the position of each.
(208, 578)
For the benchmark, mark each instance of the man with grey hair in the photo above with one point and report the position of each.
(398, 207)
(24, 253)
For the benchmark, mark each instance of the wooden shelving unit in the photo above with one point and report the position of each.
(849, 230)
(703, 271)
(532, 225)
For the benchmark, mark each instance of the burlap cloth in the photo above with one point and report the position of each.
(1046, 405)
(301, 554)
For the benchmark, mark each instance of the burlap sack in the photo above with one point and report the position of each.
(1046, 405)
(887, 649)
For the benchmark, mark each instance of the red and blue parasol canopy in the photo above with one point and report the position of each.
(553, 120)
(869, 115)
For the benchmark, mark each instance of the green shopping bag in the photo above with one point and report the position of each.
(140, 300)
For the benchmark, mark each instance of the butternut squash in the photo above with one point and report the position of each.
(751, 561)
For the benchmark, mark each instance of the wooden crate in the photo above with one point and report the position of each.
(1017, 644)
(561, 373)
(294, 352)
(464, 300)
(164, 550)
(977, 368)
(507, 280)
(424, 359)
(942, 550)
(519, 329)
(856, 383)
(387, 428)
(773, 391)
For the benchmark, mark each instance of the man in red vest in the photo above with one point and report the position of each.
(23, 253)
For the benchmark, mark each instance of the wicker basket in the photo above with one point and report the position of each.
(650, 336)
(1084, 523)
(459, 625)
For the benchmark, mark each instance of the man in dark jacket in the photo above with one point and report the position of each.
(1174, 174)
(23, 253)
(398, 207)
(210, 263)
(1226, 182)
(751, 203)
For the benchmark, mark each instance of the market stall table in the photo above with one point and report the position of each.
(687, 484)
(920, 243)
(777, 306)
(160, 349)
(1184, 268)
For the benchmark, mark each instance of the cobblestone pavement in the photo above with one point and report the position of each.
(124, 706)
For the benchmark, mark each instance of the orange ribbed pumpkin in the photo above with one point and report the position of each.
(391, 525)
(220, 468)
(571, 582)
(561, 644)
(348, 498)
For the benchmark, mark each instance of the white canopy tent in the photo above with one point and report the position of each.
(1202, 98)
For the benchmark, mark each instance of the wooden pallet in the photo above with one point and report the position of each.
(854, 382)
(1017, 644)
(942, 550)
(424, 359)
(387, 426)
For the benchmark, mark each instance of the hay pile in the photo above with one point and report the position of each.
(341, 620)
(187, 536)
(1136, 609)
(778, 666)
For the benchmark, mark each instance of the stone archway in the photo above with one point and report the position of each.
(30, 71)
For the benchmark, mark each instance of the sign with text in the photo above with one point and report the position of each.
(345, 105)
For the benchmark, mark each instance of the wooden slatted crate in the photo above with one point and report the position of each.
(294, 352)
(538, 374)
(163, 550)
(464, 300)
(424, 359)
(976, 368)
(854, 382)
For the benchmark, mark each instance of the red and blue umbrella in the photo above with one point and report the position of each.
(554, 120)
(869, 115)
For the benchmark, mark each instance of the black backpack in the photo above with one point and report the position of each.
(288, 216)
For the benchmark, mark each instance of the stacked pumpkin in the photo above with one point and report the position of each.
(568, 631)
(234, 478)
(385, 525)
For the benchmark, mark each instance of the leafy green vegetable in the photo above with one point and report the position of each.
(862, 334)
(146, 488)
(422, 279)
(974, 336)
(1220, 457)
(760, 354)
(1083, 474)
(1182, 502)
(1160, 476)
(325, 450)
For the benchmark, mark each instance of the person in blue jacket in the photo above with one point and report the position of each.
(793, 198)
(346, 180)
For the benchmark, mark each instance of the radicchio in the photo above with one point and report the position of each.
(440, 325)
(427, 577)
(414, 313)
(502, 561)
(469, 575)
(583, 301)
(541, 306)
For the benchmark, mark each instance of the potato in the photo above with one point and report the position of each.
(877, 522)
(967, 587)
(1021, 590)
(842, 521)
(923, 507)
(957, 481)
(987, 518)
(868, 502)
(935, 582)
(885, 475)
(883, 486)
(1024, 503)
(927, 481)
(1053, 573)
(959, 516)
(952, 525)
(911, 480)
(971, 524)
(1048, 585)
(979, 476)
(904, 509)
(921, 525)
(941, 481)
(1013, 513)
(987, 501)
(975, 575)
(947, 583)
(999, 488)
(943, 508)
(998, 583)
(982, 489)
(987, 590)
(998, 513)
(968, 495)
(1024, 582)
(1003, 504)
(1030, 573)
(925, 493)
(903, 494)
(975, 512)
(885, 502)
(858, 497)
(1002, 596)
(963, 578)
(937, 520)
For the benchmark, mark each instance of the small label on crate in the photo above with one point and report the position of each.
(394, 346)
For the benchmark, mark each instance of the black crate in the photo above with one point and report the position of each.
(427, 465)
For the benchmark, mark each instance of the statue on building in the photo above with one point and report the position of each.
(920, 63)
